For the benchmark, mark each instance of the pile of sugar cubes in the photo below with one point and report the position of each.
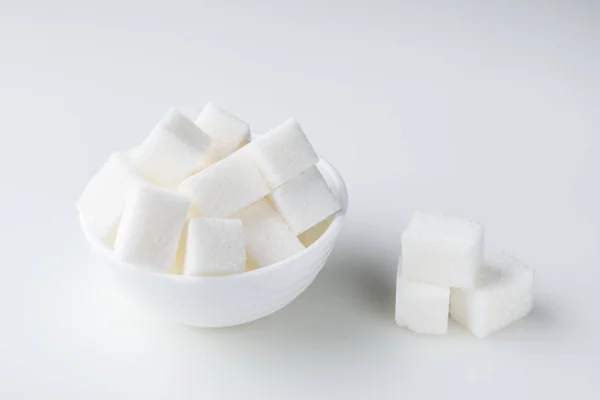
(443, 272)
(202, 198)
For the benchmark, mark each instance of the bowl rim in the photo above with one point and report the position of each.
(336, 184)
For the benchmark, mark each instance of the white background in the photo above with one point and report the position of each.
(486, 110)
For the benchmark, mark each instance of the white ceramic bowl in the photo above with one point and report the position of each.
(220, 301)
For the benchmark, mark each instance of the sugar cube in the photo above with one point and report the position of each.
(214, 247)
(225, 187)
(503, 293)
(268, 238)
(421, 307)
(442, 250)
(175, 149)
(226, 131)
(104, 197)
(151, 227)
(283, 153)
(305, 200)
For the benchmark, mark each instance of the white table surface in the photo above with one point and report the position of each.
(487, 110)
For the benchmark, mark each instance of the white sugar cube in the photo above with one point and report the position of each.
(225, 187)
(304, 201)
(268, 238)
(150, 228)
(104, 197)
(214, 247)
(442, 250)
(175, 149)
(503, 293)
(283, 153)
(227, 132)
(421, 307)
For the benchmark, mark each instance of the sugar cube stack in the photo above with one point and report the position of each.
(201, 199)
(503, 293)
(226, 186)
(227, 132)
(150, 227)
(214, 247)
(268, 238)
(104, 197)
(175, 149)
(443, 271)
